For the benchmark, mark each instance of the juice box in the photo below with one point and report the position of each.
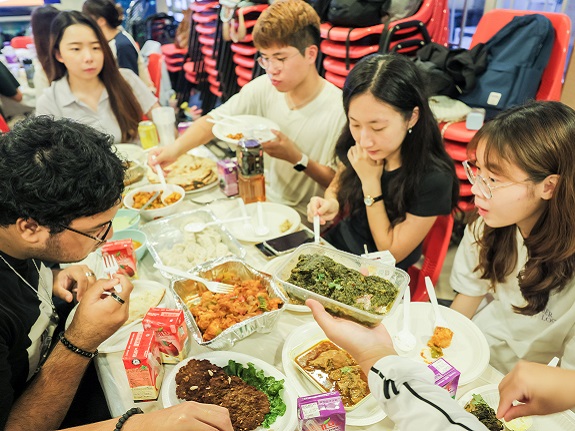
(446, 375)
(321, 412)
(228, 173)
(171, 332)
(143, 366)
(123, 251)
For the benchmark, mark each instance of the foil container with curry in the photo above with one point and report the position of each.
(188, 292)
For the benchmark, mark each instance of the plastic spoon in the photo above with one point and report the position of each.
(404, 339)
(316, 229)
(199, 226)
(165, 188)
(261, 228)
(439, 319)
(247, 226)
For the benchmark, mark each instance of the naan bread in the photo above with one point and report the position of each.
(141, 300)
(189, 172)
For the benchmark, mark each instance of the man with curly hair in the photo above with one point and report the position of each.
(307, 108)
(60, 187)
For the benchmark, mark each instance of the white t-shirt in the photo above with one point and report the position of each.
(314, 128)
(513, 336)
(59, 101)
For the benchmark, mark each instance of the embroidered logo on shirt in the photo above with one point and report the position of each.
(547, 316)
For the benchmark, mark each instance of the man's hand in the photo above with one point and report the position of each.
(368, 170)
(75, 278)
(282, 148)
(186, 416)
(99, 315)
(326, 209)
(366, 345)
(542, 390)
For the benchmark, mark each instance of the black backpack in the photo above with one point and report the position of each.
(516, 59)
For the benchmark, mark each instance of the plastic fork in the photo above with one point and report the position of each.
(111, 267)
(212, 286)
(439, 319)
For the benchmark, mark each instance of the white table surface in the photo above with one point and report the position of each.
(267, 347)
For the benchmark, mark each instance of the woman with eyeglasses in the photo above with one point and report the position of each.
(518, 255)
(86, 84)
(395, 177)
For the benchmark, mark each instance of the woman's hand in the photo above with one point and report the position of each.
(366, 345)
(368, 170)
(163, 156)
(326, 209)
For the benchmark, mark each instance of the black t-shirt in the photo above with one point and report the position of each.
(126, 53)
(8, 84)
(25, 331)
(433, 199)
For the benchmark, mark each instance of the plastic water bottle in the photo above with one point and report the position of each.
(29, 69)
(9, 53)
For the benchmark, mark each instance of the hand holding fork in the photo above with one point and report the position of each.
(111, 267)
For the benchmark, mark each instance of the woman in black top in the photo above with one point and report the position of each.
(394, 176)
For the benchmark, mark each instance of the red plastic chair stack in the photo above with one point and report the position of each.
(21, 41)
(155, 62)
(206, 22)
(4, 128)
(343, 46)
(244, 51)
(456, 136)
(434, 251)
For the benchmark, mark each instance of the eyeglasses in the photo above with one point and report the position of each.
(100, 236)
(277, 63)
(484, 187)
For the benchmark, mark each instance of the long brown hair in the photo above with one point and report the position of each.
(124, 104)
(538, 138)
(41, 20)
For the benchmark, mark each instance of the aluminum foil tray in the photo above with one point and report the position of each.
(398, 277)
(167, 235)
(188, 289)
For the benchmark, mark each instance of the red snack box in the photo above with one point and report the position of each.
(123, 251)
(446, 376)
(171, 332)
(143, 366)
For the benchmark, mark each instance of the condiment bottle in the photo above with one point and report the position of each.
(251, 180)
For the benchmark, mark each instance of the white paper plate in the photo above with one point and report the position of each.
(287, 422)
(117, 342)
(564, 421)
(274, 216)
(259, 125)
(304, 337)
(468, 352)
(274, 264)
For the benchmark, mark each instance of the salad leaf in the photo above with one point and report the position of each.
(267, 384)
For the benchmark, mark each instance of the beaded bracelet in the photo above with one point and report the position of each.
(122, 420)
(76, 349)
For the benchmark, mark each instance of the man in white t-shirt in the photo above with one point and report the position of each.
(307, 108)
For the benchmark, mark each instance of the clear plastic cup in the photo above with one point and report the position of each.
(165, 121)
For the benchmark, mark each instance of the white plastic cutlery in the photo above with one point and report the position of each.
(261, 228)
(212, 286)
(316, 229)
(439, 319)
(404, 339)
(199, 226)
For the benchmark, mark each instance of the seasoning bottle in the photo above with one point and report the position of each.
(251, 180)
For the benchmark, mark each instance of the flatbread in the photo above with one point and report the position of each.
(189, 172)
(141, 300)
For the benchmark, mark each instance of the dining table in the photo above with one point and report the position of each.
(264, 346)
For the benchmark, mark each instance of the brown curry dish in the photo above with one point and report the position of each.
(333, 369)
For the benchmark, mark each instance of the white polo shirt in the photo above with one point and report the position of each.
(59, 101)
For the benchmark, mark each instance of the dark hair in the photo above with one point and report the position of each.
(543, 148)
(41, 20)
(107, 9)
(394, 80)
(55, 171)
(124, 104)
(287, 23)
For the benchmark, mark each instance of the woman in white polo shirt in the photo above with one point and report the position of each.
(86, 84)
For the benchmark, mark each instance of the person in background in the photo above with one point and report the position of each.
(395, 176)
(11, 97)
(406, 388)
(519, 251)
(41, 20)
(109, 16)
(60, 187)
(305, 106)
(86, 84)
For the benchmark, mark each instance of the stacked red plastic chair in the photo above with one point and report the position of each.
(456, 136)
(243, 51)
(343, 46)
